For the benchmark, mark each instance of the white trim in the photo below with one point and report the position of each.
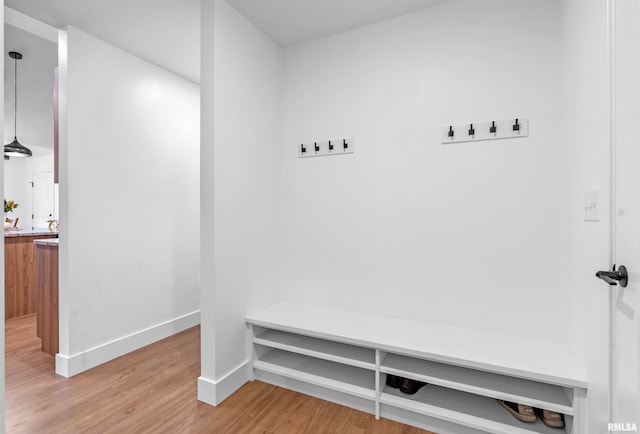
(30, 25)
(70, 365)
(611, 58)
(213, 392)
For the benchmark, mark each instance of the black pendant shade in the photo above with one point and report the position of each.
(15, 149)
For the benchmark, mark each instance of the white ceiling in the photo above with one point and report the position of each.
(167, 32)
(293, 22)
(164, 32)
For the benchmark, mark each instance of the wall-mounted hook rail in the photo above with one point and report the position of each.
(328, 147)
(490, 130)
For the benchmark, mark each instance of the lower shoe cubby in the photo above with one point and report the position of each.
(428, 423)
(317, 391)
(476, 412)
(470, 395)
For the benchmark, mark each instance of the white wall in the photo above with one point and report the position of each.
(129, 202)
(241, 119)
(17, 177)
(43, 163)
(15, 189)
(35, 86)
(471, 235)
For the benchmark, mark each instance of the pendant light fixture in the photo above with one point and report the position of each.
(15, 149)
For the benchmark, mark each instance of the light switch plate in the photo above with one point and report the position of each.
(590, 206)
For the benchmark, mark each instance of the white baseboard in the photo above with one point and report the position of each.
(68, 366)
(214, 392)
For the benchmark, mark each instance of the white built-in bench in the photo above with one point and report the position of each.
(344, 357)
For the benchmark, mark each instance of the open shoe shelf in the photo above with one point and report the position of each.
(473, 411)
(335, 376)
(534, 393)
(344, 357)
(320, 348)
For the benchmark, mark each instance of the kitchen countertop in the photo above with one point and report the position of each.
(29, 232)
(47, 242)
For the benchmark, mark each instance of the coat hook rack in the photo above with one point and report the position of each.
(490, 130)
(325, 148)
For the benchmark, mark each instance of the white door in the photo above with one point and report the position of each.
(43, 199)
(625, 315)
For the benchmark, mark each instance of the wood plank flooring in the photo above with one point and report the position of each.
(153, 390)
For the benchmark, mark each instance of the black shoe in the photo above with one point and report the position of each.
(410, 386)
(394, 381)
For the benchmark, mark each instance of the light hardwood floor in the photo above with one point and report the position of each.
(153, 390)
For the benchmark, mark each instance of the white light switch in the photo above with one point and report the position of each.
(591, 206)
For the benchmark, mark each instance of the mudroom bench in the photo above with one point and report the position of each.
(343, 357)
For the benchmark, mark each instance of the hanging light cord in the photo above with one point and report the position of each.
(15, 98)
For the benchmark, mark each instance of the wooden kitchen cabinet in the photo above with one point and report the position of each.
(47, 290)
(20, 273)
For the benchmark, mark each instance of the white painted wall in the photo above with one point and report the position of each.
(18, 175)
(129, 196)
(35, 86)
(15, 189)
(241, 160)
(43, 163)
(471, 235)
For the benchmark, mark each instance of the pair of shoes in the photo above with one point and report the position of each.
(526, 413)
(405, 385)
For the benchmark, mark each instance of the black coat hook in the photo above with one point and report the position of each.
(493, 128)
(302, 148)
(516, 126)
(471, 130)
(345, 145)
(315, 145)
(330, 146)
(450, 131)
